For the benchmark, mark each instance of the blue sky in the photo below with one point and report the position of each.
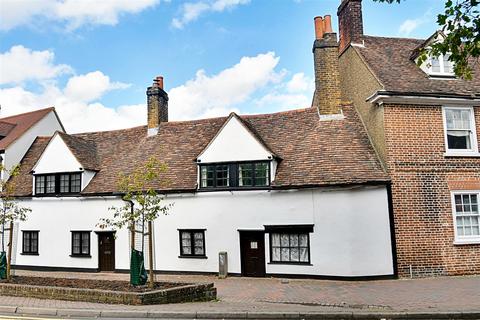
(93, 60)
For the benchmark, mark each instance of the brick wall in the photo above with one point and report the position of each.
(422, 178)
(350, 22)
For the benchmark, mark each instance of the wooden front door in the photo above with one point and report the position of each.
(106, 251)
(252, 248)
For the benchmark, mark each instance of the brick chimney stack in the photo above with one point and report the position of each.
(157, 104)
(350, 23)
(325, 57)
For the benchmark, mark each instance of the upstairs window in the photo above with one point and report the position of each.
(235, 175)
(460, 129)
(441, 66)
(60, 183)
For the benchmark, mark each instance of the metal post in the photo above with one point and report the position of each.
(10, 244)
(150, 253)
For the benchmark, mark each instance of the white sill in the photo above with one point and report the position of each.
(466, 241)
(471, 154)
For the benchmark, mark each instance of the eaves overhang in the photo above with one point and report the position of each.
(423, 98)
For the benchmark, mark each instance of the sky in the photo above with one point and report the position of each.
(93, 60)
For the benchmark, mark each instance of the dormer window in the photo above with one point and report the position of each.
(254, 174)
(440, 66)
(59, 183)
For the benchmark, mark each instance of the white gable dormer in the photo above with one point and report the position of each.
(441, 66)
(57, 157)
(236, 158)
(234, 142)
(58, 163)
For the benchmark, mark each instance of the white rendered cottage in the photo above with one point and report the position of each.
(287, 193)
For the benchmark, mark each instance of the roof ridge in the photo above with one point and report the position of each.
(27, 113)
(394, 38)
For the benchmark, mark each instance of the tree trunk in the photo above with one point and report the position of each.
(150, 254)
(10, 244)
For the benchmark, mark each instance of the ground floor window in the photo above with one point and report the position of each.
(466, 216)
(192, 243)
(81, 243)
(289, 244)
(30, 242)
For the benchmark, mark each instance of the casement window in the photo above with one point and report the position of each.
(440, 66)
(81, 243)
(289, 244)
(30, 242)
(192, 243)
(460, 135)
(60, 183)
(466, 216)
(235, 175)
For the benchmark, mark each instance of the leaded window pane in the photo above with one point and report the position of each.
(245, 175)
(50, 184)
(39, 184)
(64, 183)
(76, 180)
(261, 174)
(207, 176)
(192, 243)
(222, 176)
(288, 247)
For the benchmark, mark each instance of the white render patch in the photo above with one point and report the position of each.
(234, 142)
(330, 117)
(57, 157)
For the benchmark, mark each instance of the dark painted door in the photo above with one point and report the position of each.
(252, 248)
(106, 251)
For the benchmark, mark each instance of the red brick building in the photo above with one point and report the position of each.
(424, 124)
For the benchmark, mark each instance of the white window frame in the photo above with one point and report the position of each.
(463, 239)
(461, 152)
(441, 62)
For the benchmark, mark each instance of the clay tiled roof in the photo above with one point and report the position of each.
(313, 152)
(390, 61)
(15, 126)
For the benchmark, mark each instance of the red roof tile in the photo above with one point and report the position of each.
(313, 152)
(19, 124)
(390, 61)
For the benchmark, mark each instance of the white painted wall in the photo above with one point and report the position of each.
(45, 127)
(234, 143)
(57, 157)
(351, 229)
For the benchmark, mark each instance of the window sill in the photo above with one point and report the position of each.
(465, 154)
(292, 263)
(29, 254)
(466, 242)
(193, 257)
(80, 256)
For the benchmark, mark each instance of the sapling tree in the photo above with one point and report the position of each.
(11, 210)
(460, 26)
(143, 204)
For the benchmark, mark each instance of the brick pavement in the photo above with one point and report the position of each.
(265, 294)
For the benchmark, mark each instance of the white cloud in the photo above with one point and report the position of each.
(191, 11)
(73, 13)
(410, 25)
(78, 102)
(292, 94)
(300, 83)
(20, 64)
(90, 86)
(203, 94)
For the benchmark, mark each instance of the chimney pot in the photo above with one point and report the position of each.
(158, 82)
(327, 24)
(319, 24)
